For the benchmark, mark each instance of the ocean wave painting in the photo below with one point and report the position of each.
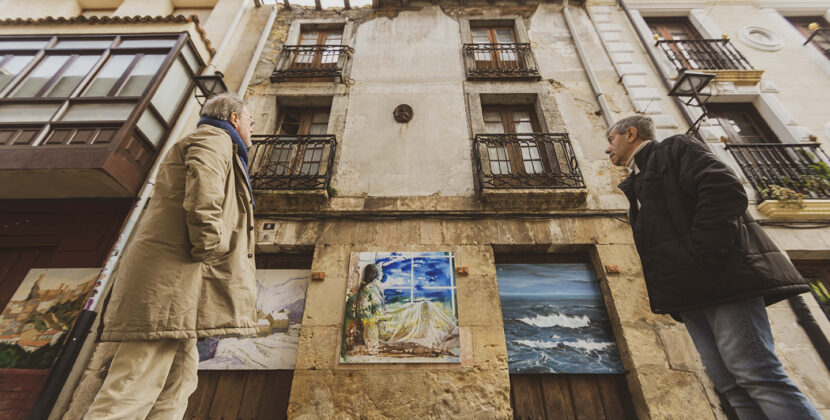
(555, 320)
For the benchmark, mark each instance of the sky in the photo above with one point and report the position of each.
(561, 280)
(53, 279)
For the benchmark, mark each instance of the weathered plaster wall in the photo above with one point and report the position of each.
(412, 59)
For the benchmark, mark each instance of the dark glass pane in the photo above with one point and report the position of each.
(60, 136)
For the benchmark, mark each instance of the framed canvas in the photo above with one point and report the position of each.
(280, 304)
(401, 307)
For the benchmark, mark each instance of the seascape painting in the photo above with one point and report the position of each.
(280, 304)
(42, 311)
(555, 320)
(401, 308)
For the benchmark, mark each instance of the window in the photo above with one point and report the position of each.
(496, 57)
(302, 157)
(61, 83)
(742, 123)
(673, 29)
(821, 39)
(817, 274)
(523, 156)
(316, 55)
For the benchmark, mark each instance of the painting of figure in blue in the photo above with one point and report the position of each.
(401, 308)
(555, 320)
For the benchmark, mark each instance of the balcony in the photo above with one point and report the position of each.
(821, 38)
(791, 180)
(311, 63)
(85, 116)
(716, 56)
(528, 169)
(500, 62)
(291, 169)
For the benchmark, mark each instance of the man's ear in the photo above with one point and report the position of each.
(633, 132)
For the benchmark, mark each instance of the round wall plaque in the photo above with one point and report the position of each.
(402, 113)
(760, 38)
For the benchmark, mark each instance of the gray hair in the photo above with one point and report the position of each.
(643, 124)
(221, 106)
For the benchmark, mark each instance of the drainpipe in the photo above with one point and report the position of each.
(646, 44)
(603, 103)
(260, 46)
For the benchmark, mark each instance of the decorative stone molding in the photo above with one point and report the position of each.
(809, 210)
(646, 99)
(760, 38)
(739, 77)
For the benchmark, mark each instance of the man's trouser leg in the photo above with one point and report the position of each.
(138, 376)
(735, 343)
(181, 382)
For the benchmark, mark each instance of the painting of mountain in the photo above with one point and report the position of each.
(35, 322)
(280, 303)
(555, 320)
(401, 308)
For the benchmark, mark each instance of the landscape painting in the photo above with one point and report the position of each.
(42, 311)
(555, 320)
(280, 304)
(401, 307)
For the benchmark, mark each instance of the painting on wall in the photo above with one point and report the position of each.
(401, 307)
(40, 314)
(280, 304)
(555, 320)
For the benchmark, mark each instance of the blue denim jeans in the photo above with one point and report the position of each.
(735, 344)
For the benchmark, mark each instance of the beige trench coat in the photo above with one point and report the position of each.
(189, 271)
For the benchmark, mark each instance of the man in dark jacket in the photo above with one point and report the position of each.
(707, 263)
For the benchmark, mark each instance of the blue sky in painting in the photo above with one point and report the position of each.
(563, 280)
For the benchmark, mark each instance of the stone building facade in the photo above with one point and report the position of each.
(334, 78)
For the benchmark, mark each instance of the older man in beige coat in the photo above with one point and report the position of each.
(188, 273)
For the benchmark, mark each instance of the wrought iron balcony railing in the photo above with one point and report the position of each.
(802, 168)
(704, 54)
(499, 61)
(538, 160)
(292, 162)
(821, 37)
(311, 62)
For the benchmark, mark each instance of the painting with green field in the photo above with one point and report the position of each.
(401, 307)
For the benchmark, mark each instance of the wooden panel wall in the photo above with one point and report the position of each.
(242, 395)
(570, 397)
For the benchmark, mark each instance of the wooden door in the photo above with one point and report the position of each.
(676, 29)
(247, 394)
(321, 58)
(742, 123)
(502, 54)
(524, 156)
(300, 157)
(820, 40)
(817, 274)
(570, 397)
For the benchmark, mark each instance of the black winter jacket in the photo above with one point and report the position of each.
(697, 244)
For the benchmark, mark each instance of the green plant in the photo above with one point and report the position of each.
(786, 196)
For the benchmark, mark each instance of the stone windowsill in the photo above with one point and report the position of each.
(536, 198)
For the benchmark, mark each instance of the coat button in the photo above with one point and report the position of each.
(250, 255)
(251, 228)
